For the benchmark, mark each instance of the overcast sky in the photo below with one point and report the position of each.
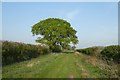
(96, 23)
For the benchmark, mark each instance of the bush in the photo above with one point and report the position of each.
(88, 51)
(111, 52)
(16, 52)
(43, 49)
(57, 48)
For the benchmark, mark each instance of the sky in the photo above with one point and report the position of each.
(96, 23)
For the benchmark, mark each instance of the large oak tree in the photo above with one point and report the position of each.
(55, 32)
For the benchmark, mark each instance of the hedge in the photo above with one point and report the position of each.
(16, 52)
(111, 52)
(88, 51)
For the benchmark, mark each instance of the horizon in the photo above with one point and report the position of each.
(96, 23)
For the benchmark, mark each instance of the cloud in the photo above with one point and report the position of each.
(72, 15)
(69, 15)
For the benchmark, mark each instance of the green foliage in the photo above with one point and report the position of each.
(16, 52)
(53, 32)
(108, 53)
(57, 48)
(88, 51)
(111, 52)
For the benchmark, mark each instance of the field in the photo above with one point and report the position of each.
(60, 40)
(57, 65)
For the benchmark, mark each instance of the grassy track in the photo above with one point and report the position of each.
(70, 65)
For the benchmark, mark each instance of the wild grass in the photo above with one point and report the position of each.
(55, 65)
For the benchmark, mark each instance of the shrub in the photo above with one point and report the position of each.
(88, 51)
(43, 49)
(111, 52)
(57, 48)
(16, 52)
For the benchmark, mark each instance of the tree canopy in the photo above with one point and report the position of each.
(55, 32)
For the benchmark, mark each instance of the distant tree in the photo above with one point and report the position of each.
(55, 32)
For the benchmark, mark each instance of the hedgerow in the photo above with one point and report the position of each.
(16, 52)
(88, 51)
(111, 52)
